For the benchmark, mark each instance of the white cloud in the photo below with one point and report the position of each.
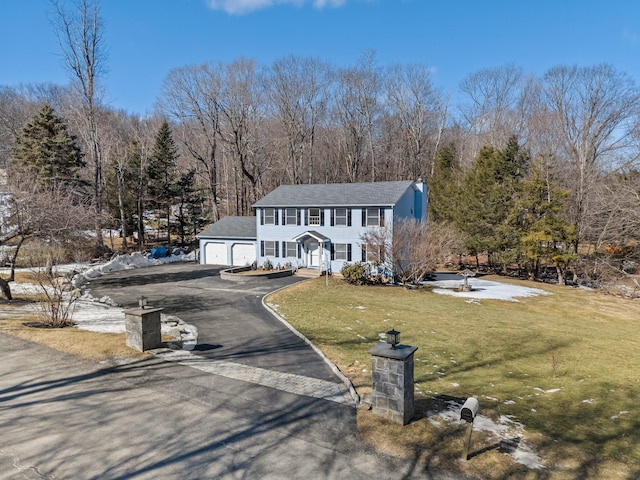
(241, 7)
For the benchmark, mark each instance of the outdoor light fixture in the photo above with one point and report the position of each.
(393, 338)
(142, 301)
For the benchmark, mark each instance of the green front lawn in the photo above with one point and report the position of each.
(565, 366)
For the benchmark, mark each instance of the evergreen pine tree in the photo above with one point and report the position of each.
(490, 189)
(46, 153)
(162, 172)
(545, 235)
(444, 185)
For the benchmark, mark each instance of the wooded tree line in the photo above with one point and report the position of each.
(529, 169)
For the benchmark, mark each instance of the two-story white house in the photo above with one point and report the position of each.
(318, 226)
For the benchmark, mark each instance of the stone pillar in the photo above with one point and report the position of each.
(392, 372)
(143, 328)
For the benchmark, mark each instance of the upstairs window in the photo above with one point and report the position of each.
(291, 216)
(269, 216)
(315, 217)
(341, 217)
(373, 217)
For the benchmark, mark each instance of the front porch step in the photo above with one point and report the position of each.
(309, 272)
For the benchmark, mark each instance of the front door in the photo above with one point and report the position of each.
(313, 253)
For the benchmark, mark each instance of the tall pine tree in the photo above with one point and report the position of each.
(488, 194)
(444, 185)
(162, 173)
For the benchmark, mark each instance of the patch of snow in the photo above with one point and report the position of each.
(589, 400)
(485, 289)
(552, 390)
(126, 262)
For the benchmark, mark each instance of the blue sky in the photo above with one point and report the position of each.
(147, 38)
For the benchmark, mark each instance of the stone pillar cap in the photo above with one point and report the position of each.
(141, 311)
(401, 352)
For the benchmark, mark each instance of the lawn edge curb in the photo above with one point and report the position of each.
(333, 366)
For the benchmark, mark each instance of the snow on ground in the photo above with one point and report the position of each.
(509, 433)
(485, 289)
(102, 315)
(126, 262)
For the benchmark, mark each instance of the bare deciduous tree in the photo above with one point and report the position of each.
(192, 97)
(413, 249)
(298, 89)
(595, 110)
(79, 34)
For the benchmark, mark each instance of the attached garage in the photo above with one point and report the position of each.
(243, 254)
(215, 253)
(230, 241)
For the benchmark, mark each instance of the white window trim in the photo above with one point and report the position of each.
(315, 220)
(294, 246)
(270, 248)
(344, 217)
(287, 217)
(271, 217)
(337, 253)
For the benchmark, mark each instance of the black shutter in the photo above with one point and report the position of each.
(306, 216)
(364, 217)
(276, 215)
(261, 213)
(348, 252)
(297, 216)
(322, 217)
(382, 217)
(299, 250)
(276, 249)
(348, 217)
(333, 252)
(333, 213)
(364, 253)
(262, 248)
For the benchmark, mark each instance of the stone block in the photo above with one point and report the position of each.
(143, 328)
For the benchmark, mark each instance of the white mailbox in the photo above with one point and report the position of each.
(469, 410)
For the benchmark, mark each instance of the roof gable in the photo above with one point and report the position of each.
(336, 194)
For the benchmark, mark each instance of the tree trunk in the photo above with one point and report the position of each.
(561, 279)
(123, 217)
(5, 289)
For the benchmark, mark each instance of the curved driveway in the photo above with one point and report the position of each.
(232, 323)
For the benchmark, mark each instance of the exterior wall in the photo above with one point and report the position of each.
(229, 243)
(350, 235)
(412, 204)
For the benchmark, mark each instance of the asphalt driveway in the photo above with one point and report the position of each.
(232, 323)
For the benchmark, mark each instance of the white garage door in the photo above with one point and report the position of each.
(243, 254)
(215, 254)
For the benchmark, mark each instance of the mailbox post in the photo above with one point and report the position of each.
(468, 413)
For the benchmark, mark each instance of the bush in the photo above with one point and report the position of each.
(358, 274)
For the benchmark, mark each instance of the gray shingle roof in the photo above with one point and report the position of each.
(231, 227)
(336, 194)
